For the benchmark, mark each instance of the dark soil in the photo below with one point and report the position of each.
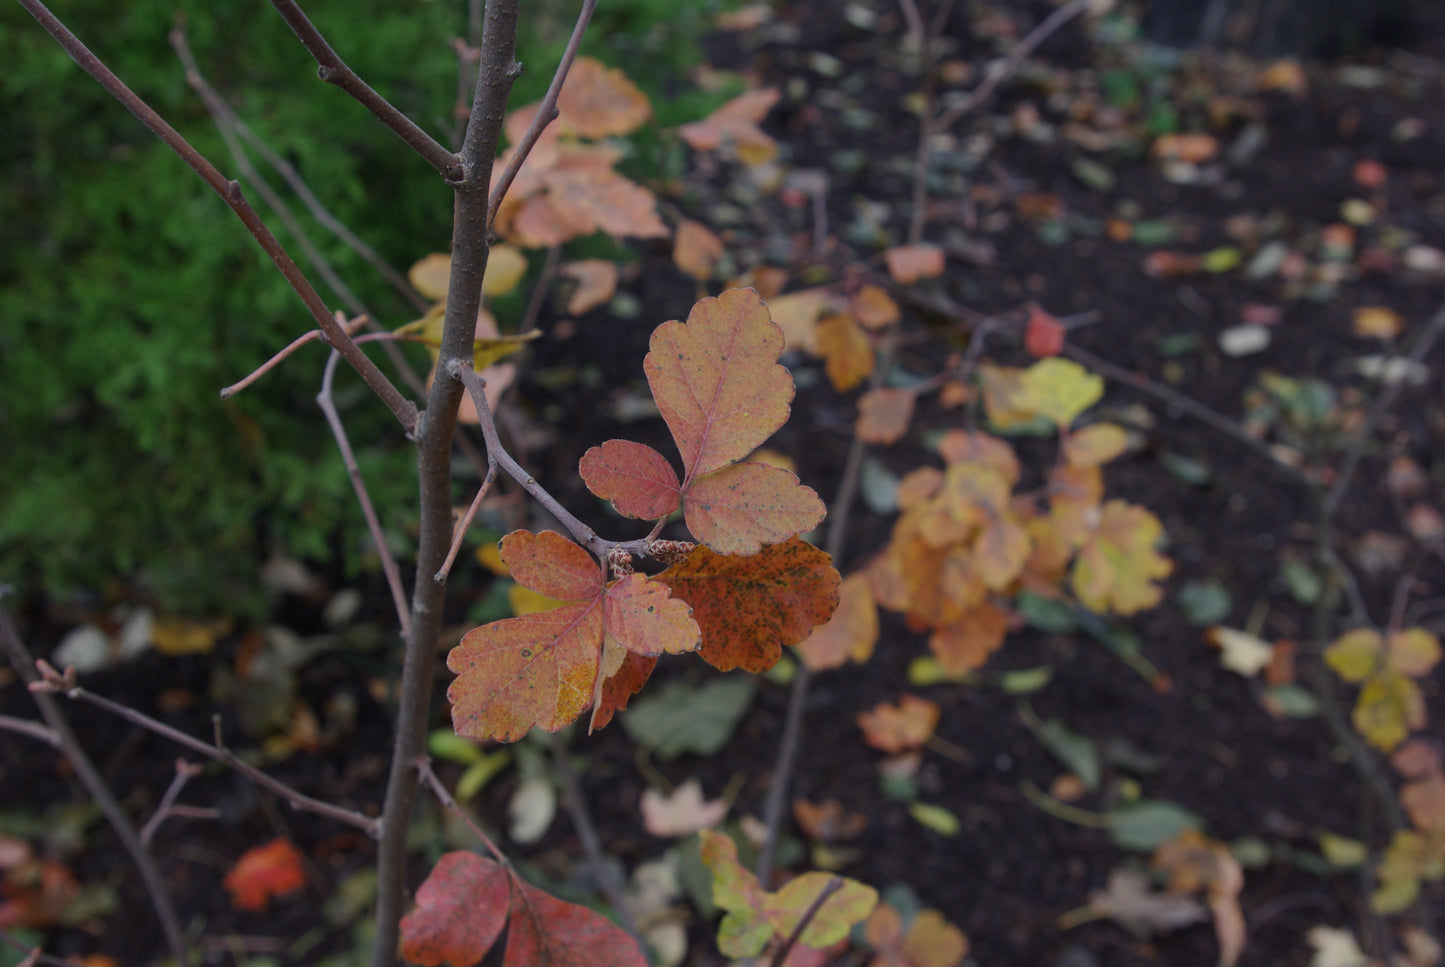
(1013, 869)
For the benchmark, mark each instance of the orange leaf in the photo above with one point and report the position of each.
(600, 102)
(542, 668)
(884, 414)
(850, 633)
(273, 870)
(460, 911)
(873, 307)
(644, 618)
(847, 353)
(619, 687)
(596, 283)
(1117, 567)
(602, 200)
(749, 607)
(717, 381)
(636, 478)
(966, 645)
(909, 263)
(739, 508)
(736, 122)
(898, 728)
(827, 822)
(696, 250)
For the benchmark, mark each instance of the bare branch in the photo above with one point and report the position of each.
(332, 69)
(185, 772)
(33, 729)
(546, 112)
(230, 192)
(465, 523)
(25, 666)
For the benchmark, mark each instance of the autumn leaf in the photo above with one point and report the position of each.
(847, 353)
(680, 813)
(467, 899)
(598, 101)
(1058, 390)
(736, 124)
(909, 263)
(460, 912)
(873, 307)
(827, 822)
(884, 414)
(1095, 445)
(273, 870)
(594, 284)
(968, 642)
(696, 250)
(898, 728)
(717, 381)
(1043, 335)
(542, 668)
(849, 635)
(749, 607)
(929, 940)
(1389, 706)
(1117, 566)
(755, 916)
(721, 392)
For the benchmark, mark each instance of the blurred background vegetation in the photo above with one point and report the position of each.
(129, 294)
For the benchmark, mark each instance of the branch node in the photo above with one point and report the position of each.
(325, 73)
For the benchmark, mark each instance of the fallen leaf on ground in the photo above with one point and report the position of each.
(595, 283)
(273, 870)
(909, 263)
(898, 728)
(682, 813)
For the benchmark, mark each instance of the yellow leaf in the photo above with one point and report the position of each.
(505, 267)
(1355, 655)
(1118, 565)
(1240, 651)
(526, 601)
(1376, 322)
(489, 555)
(1390, 705)
(847, 354)
(184, 636)
(430, 275)
(1003, 397)
(797, 315)
(1413, 652)
(1096, 445)
(1058, 390)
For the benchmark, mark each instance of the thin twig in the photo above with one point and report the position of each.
(546, 113)
(1006, 68)
(34, 955)
(1423, 344)
(332, 69)
(358, 485)
(576, 805)
(55, 683)
(1175, 398)
(584, 535)
(185, 772)
(276, 360)
(465, 523)
(230, 192)
(834, 884)
(20, 659)
(429, 776)
(33, 729)
(228, 122)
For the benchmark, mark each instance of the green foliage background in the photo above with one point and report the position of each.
(129, 294)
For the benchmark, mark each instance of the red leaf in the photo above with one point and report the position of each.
(644, 617)
(1044, 335)
(636, 478)
(717, 381)
(550, 564)
(268, 871)
(544, 931)
(617, 690)
(749, 607)
(460, 912)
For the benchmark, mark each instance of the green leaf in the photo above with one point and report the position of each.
(1026, 681)
(936, 818)
(676, 718)
(1146, 825)
(1204, 603)
(1046, 614)
(1302, 581)
(1078, 753)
